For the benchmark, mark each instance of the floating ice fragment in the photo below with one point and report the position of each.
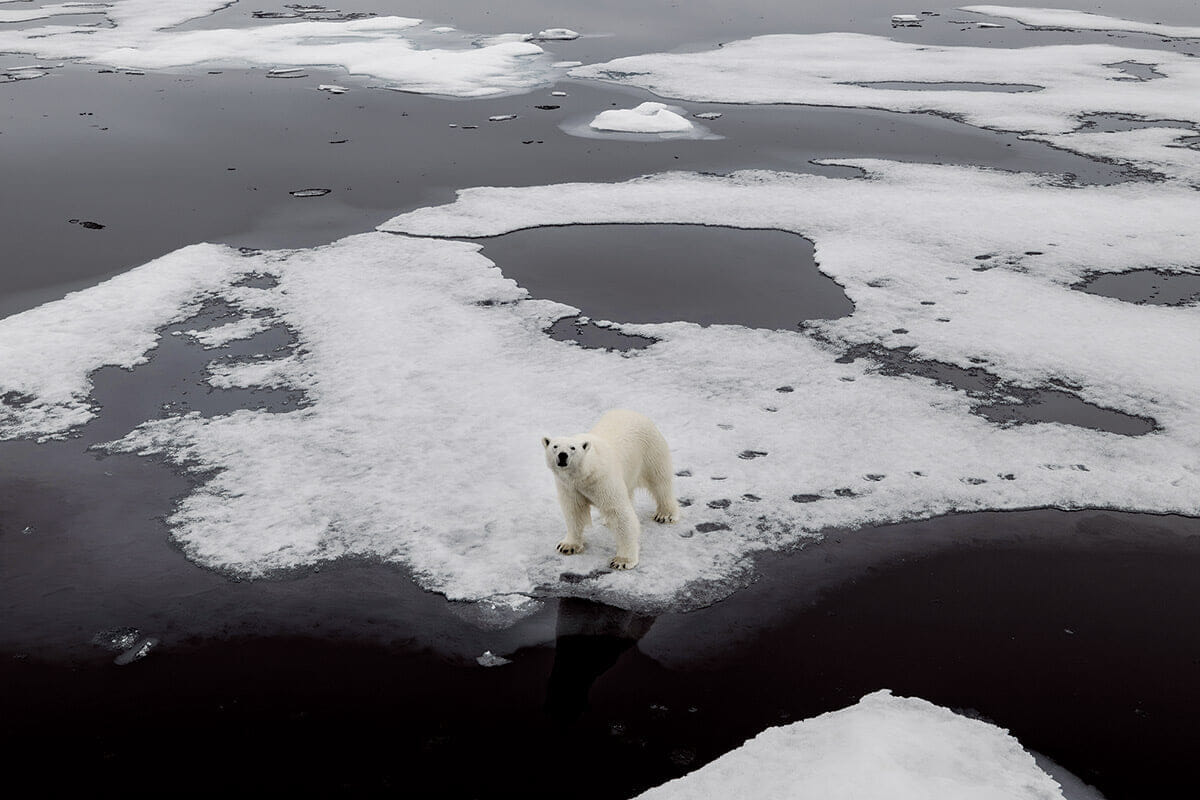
(645, 118)
(139, 651)
(906, 20)
(284, 70)
(310, 192)
(558, 94)
(332, 88)
(988, 25)
(28, 530)
(566, 64)
(442, 29)
(553, 34)
(489, 659)
(1061, 18)
(117, 638)
(882, 747)
(708, 115)
(502, 117)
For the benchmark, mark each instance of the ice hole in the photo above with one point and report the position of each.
(667, 273)
(1145, 287)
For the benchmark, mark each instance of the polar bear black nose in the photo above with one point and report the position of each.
(562, 459)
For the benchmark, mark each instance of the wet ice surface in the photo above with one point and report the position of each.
(1147, 286)
(665, 273)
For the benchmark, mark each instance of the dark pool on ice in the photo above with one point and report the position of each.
(664, 273)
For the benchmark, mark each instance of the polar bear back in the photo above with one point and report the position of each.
(636, 444)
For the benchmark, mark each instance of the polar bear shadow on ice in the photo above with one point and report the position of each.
(603, 467)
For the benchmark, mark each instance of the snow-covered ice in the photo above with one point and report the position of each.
(1069, 19)
(381, 462)
(383, 48)
(30, 13)
(490, 659)
(882, 748)
(645, 118)
(222, 335)
(554, 34)
(835, 69)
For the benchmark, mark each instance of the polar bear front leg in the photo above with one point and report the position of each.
(625, 526)
(578, 513)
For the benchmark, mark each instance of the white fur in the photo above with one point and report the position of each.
(602, 468)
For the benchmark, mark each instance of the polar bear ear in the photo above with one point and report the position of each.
(585, 444)
(545, 441)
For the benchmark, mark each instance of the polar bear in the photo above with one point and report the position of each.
(602, 468)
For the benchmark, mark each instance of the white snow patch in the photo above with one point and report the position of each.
(827, 69)
(377, 47)
(882, 748)
(222, 335)
(554, 34)
(414, 351)
(50, 10)
(645, 118)
(1068, 19)
(332, 88)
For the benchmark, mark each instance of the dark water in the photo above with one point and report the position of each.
(1076, 631)
(1146, 286)
(664, 273)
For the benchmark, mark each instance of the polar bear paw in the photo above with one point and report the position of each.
(569, 548)
(623, 563)
(666, 516)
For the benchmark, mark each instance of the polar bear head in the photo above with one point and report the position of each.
(566, 454)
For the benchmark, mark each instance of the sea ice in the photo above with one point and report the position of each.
(905, 20)
(1068, 19)
(332, 88)
(490, 659)
(395, 404)
(30, 13)
(645, 118)
(836, 69)
(551, 34)
(224, 334)
(378, 47)
(882, 748)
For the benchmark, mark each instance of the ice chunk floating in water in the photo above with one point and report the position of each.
(882, 748)
(416, 350)
(646, 118)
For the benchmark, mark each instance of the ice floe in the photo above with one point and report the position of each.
(645, 118)
(554, 34)
(885, 747)
(1067, 19)
(31, 13)
(429, 380)
(382, 48)
(835, 69)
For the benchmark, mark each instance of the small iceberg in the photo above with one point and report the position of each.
(553, 34)
(906, 21)
(490, 659)
(646, 118)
